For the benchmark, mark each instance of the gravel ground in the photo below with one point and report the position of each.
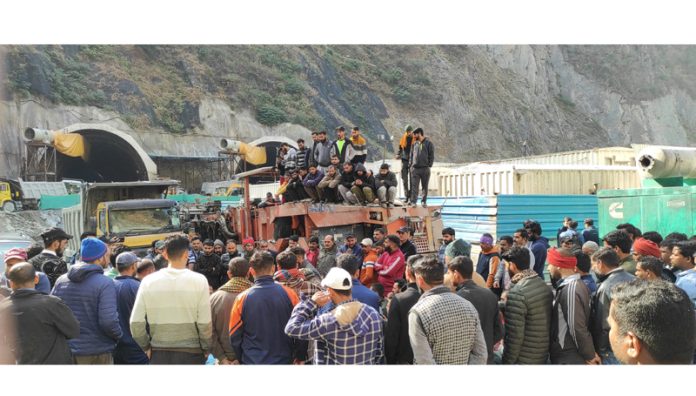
(30, 223)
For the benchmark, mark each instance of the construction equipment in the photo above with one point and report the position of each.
(19, 194)
(306, 219)
(133, 213)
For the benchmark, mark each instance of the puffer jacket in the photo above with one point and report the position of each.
(92, 298)
(528, 320)
(388, 180)
(366, 178)
(312, 180)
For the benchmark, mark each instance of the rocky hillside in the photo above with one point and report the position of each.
(476, 102)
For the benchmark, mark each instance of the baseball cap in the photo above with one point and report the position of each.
(126, 259)
(404, 229)
(55, 233)
(15, 253)
(366, 242)
(159, 244)
(338, 279)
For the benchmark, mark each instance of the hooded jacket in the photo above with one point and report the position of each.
(539, 249)
(312, 180)
(45, 324)
(351, 333)
(388, 180)
(321, 152)
(423, 156)
(528, 320)
(487, 265)
(92, 298)
(366, 178)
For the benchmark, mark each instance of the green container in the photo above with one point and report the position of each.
(665, 210)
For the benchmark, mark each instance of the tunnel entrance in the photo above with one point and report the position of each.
(109, 159)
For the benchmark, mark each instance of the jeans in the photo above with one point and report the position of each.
(419, 176)
(608, 357)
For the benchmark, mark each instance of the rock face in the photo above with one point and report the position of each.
(475, 102)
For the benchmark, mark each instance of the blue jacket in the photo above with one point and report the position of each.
(44, 285)
(127, 350)
(313, 180)
(257, 324)
(92, 298)
(539, 248)
(359, 293)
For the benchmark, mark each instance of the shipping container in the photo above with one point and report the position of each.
(606, 156)
(482, 179)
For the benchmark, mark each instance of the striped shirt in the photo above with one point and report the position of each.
(174, 303)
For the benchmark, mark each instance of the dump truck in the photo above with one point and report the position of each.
(24, 195)
(134, 213)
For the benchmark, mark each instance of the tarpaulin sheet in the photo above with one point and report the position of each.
(58, 201)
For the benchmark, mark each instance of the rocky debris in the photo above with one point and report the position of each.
(30, 223)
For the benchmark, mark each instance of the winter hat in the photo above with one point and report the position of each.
(557, 259)
(126, 259)
(15, 253)
(218, 243)
(408, 128)
(338, 279)
(246, 241)
(488, 240)
(92, 249)
(646, 247)
(159, 244)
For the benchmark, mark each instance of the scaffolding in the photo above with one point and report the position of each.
(40, 162)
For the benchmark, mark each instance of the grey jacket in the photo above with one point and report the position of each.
(321, 152)
(424, 156)
(445, 329)
(599, 327)
(388, 180)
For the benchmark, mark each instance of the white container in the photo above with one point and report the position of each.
(481, 179)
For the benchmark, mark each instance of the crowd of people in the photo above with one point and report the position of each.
(625, 298)
(335, 172)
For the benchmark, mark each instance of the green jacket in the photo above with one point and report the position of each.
(528, 320)
(628, 264)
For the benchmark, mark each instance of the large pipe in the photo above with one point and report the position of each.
(39, 135)
(230, 144)
(661, 162)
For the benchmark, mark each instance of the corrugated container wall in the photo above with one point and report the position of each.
(530, 179)
(608, 156)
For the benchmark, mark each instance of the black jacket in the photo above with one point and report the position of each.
(408, 249)
(388, 180)
(599, 327)
(425, 157)
(486, 303)
(397, 344)
(52, 266)
(211, 267)
(347, 179)
(44, 324)
(367, 180)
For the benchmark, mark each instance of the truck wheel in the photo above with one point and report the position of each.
(9, 207)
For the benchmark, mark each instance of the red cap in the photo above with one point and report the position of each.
(555, 258)
(247, 241)
(15, 253)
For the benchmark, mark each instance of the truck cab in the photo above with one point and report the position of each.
(138, 222)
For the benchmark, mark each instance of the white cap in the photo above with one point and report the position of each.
(338, 279)
(366, 242)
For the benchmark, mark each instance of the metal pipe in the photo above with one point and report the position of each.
(662, 162)
(230, 144)
(39, 135)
